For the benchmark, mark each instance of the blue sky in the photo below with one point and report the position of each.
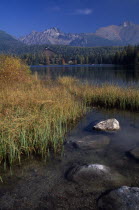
(20, 17)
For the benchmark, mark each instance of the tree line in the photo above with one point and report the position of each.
(70, 55)
(128, 56)
(60, 55)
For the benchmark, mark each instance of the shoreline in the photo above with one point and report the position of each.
(42, 120)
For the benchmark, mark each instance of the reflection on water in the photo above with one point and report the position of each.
(96, 74)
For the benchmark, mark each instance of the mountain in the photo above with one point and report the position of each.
(113, 35)
(93, 40)
(127, 33)
(8, 43)
(57, 37)
(49, 36)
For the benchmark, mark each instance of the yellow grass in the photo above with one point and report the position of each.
(34, 119)
(108, 96)
(35, 115)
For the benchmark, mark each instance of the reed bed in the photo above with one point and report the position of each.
(106, 96)
(35, 115)
(35, 119)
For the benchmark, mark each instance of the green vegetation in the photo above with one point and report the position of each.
(105, 96)
(128, 56)
(82, 55)
(36, 55)
(35, 115)
(60, 54)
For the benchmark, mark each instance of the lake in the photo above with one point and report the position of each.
(47, 185)
(95, 74)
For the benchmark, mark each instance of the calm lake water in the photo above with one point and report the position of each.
(43, 185)
(40, 185)
(96, 74)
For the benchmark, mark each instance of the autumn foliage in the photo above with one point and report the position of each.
(12, 69)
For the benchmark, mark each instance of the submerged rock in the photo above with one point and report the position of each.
(95, 177)
(135, 153)
(110, 125)
(87, 173)
(91, 142)
(123, 198)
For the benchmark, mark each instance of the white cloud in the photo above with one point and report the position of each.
(86, 11)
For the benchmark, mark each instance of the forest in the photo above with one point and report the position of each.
(61, 55)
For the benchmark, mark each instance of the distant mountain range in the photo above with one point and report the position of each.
(124, 34)
(113, 35)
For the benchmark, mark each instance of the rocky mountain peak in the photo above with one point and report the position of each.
(112, 35)
(34, 32)
(53, 31)
(127, 23)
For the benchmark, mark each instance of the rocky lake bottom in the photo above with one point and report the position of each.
(96, 170)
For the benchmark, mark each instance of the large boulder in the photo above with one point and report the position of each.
(95, 177)
(107, 125)
(123, 198)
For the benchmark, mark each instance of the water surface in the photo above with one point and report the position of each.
(95, 74)
(40, 185)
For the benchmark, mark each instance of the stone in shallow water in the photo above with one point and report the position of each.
(107, 125)
(87, 173)
(123, 198)
(135, 153)
(91, 142)
(95, 177)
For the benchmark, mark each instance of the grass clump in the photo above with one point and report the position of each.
(35, 120)
(12, 70)
(34, 117)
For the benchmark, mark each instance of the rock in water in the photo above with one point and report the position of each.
(95, 177)
(91, 142)
(135, 153)
(123, 198)
(89, 173)
(107, 125)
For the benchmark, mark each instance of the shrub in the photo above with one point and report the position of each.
(12, 69)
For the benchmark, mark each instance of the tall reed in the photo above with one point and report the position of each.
(34, 115)
(107, 96)
(34, 119)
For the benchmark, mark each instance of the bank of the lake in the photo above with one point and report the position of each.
(36, 114)
(36, 117)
